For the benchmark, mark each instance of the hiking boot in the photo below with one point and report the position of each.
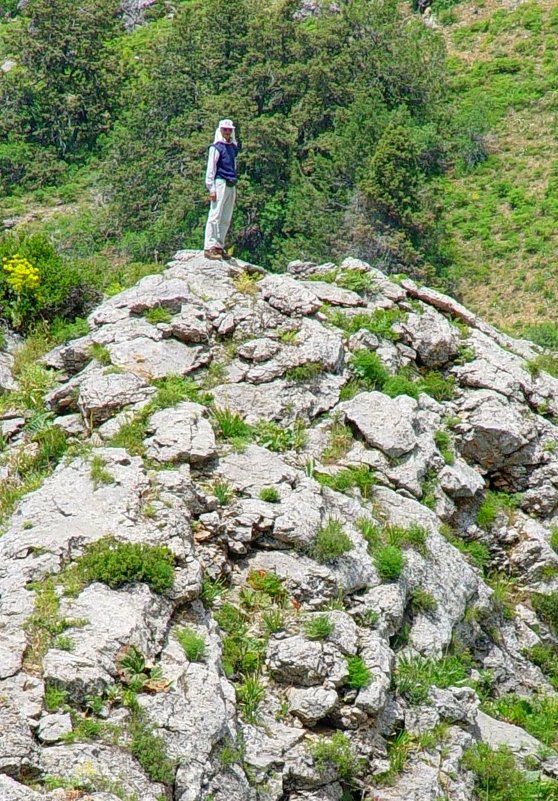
(213, 253)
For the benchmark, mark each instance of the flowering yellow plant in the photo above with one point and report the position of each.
(21, 274)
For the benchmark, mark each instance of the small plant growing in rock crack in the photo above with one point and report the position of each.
(304, 372)
(422, 601)
(359, 675)
(230, 425)
(99, 473)
(119, 563)
(135, 673)
(173, 389)
(231, 753)
(192, 643)
(100, 353)
(331, 542)
(211, 590)
(250, 694)
(288, 337)
(389, 562)
(369, 369)
(369, 618)
(537, 714)
(277, 438)
(45, 624)
(492, 504)
(361, 477)
(416, 674)
(273, 621)
(546, 657)
(247, 283)
(336, 751)
(148, 747)
(497, 777)
(222, 491)
(546, 607)
(64, 643)
(437, 386)
(340, 441)
(158, 314)
(269, 495)
(55, 698)
(444, 443)
(318, 627)
(268, 583)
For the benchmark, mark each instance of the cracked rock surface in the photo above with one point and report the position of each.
(308, 560)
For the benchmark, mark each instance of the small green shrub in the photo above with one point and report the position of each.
(149, 748)
(304, 372)
(423, 601)
(336, 751)
(37, 284)
(538, 715)
(331, 542)
(118, 563)
(55, 698)
(270, 495)
(277, 438)
(99, 473)
(389, 562)
(231, 619)
(401, 384)
(545, 657)
(359, 675)
(554, 538)
(488, 510)
(231, 425)
(340, 441)
(268, 583)
(497, 777)
(545, 362)
(415, 675)
(273, 620)
(546, 607)
(211, 590)
(380, 322)
(348, 478)
(250, 694)
(158, 314)
(369, 369)
(438, 387)
(192, 643)
(173, 389)
(222, 491)
(369, 618)
(100, 353)
(444, 443)
(318, 628)
(414, 536)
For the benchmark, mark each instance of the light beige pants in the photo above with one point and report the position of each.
(220, 215)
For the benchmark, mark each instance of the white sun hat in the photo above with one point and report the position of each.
(226, 124)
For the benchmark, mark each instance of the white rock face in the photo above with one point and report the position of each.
(306, 579)
(385, 423)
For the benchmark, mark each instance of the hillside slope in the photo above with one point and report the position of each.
(299, 545)
(503, 214)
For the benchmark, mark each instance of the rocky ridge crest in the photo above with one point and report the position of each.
(360, 487)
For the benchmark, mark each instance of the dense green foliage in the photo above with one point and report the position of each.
(119, 563)
(339, 119)
(63, 93)
(36, 284)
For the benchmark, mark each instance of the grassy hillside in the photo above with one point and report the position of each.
(503, 213)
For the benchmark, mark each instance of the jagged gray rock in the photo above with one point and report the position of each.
(261, 692)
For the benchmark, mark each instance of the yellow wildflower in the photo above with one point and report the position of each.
(21, 274)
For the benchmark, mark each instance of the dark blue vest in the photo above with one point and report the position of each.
(226, 166)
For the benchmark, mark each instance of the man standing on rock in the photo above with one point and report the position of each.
(220, 180)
